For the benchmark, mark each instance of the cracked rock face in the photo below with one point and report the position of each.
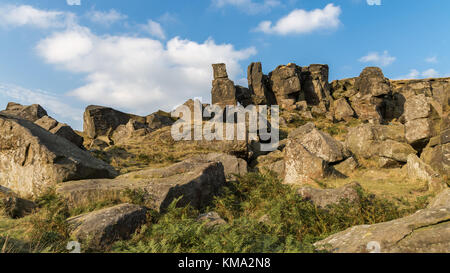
(426, 231)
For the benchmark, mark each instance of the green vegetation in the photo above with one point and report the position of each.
(262, 215)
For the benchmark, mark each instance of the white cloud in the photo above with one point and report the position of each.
(248, 6)
(139, 74)
(301, 21)
(416, 74)
(154, 29)
(383, 59)
(25, 15)
(432, 59)
(74, 2)
(53, 103)
(374, 2)
(105, 17)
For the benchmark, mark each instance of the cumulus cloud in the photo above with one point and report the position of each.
(301, 21)
(105, 17)
(139, 74)
(25, 15)
(383, 59)
(430, 73)
(374, 2)
(154, 29)
(248, 6)
(416, 74)
(53, 103)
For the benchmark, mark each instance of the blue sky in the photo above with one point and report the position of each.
(143, 55)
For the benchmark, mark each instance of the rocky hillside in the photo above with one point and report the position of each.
(341, 142)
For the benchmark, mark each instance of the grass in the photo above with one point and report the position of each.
(263, 215)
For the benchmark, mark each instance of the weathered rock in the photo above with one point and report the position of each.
(372, 81)
(417, 107)
(60, 129)
(395, 150)
(258, 83)
(33, 159)
(16, 207)
(426, 231)
(30, 113)
(342, 110)
(223, 91)
(244, 95)
(418, 130)
(196, 182)
(158, 120)
(344, 88)
(315, 84)
(367, 107)
(441, 200)
(301, 166)
(419, 170)
(319, 143)
(102, 121)
(232, 165)
(285, 82)
(273, 162)
(326, 197)
(211, 219)
(347, 166)
(99, 229)
(438, 158)
(131, 130)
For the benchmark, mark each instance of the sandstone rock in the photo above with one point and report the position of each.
(60, 129)
(232, 165)
(418, 130)
(419, 170)
(441, 200)
(99, 229)
(258, 83)
(30, 113)
(323, 198)
(344, 88)
(273, 162)
(243, 95)
(347, 166)
(367, 107)
(211, 219)
(285, 82)
(16, 207)
(426, 231)
(301, 166)
(196, 182)
(395, 150)
(438, 158)
(223, 91)
(131, 130)
(342, 110)
(315, 84)
(372, 81)
(102, 121)
(33, 159)
(158, 120)
(319, 143)
(417, 107)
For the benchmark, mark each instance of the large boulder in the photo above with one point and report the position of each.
(16, 207)
(258, 83)
(272, 162)
(438, 158)
(301, 166)
(367, 107)
(426, 231)
(158, 120)
(232, 165)
(343, 110)
(30, 112)
(326, 197)
(196, 183)
(99, 229)
(315, 84)
(285, 82)
(102, 121)
(417, 169)
(33, 159)
(344, 88)
(319, 143)
(131, 130)
(60, 129)
(372, 81)
(223, 91)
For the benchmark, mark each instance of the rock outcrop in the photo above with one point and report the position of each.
(315, 86)
(31, 112)
(99, 229)
(232, 165)
(60, 129)
(196, 183)
(326, 197)
(426, 231)
(33, 159)
(258, 83)
(223, 91)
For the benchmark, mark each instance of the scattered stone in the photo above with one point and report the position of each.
(34, 159)
(441, 200)
(347, 166)
(99, 229)
(273, 162)
(16, 207)
(211, 219)
(426, 231)
(419, 170)
(196, 182)
(326, 197)
(232, 165)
